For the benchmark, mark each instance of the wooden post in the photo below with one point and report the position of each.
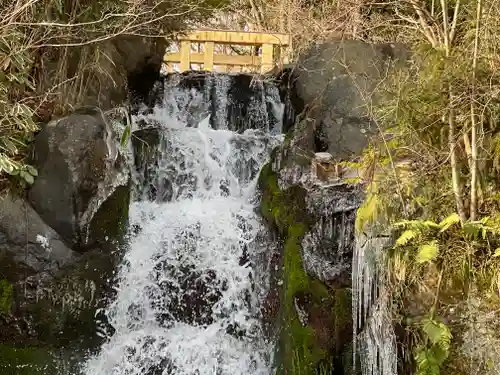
(185, 55)
(208, 58)
(267, 58)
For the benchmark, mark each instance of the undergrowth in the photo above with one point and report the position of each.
(447, 249)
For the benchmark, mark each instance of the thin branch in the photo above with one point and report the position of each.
(454, 22)
(473, 115)
(444, 12)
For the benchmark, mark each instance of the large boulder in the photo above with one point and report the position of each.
(82, 176)
(334, 83)
(49, 294)
(28, 241)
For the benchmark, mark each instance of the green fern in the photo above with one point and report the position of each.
(431, 355)
(406, 237)
(480, 229)
(417, 225)
(426, 365)
(427, 252)
(449, 221)
(437, 333)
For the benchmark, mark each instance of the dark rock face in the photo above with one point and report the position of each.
(334, 84)
(128, 65)
(62, 311)
(327, 249)
(79, 168)
(59, 247)
(141, 60)
(29, 240)
(327, 99)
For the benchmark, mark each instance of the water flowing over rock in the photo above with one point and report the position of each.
(187, 300)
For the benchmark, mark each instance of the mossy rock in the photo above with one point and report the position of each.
(303, 348)
(6, 297)
(315, 320)
(64, 315)
(283, 209)
(26, 361)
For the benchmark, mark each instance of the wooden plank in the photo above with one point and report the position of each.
(208, 58)
(185, 55)
(237, 37)
(267, 58)
(199, 58)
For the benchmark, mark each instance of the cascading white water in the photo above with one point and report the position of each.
(186, 298)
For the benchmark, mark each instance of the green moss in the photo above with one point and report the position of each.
(342, 308)
(299, 343)
(284, 209)
(6, 295)
(300, 352)
(26, 361)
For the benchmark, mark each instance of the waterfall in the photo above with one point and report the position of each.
(373, 334)
(192, 281)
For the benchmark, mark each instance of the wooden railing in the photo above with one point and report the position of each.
(211, 58)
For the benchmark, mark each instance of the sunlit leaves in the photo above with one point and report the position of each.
(427, 252)
(406, 236)
(446, 223)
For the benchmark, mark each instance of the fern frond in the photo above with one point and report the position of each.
(438, 333)
(417, 225)
(426, 363)
(476, 229)
(427, 252)
(429, 224)
(406, 237)
(449, 221)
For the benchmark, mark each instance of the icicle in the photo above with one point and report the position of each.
(373, 335)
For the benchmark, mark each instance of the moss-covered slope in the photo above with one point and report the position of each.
(314, 320)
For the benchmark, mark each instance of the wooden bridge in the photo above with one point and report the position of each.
(214, 50)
